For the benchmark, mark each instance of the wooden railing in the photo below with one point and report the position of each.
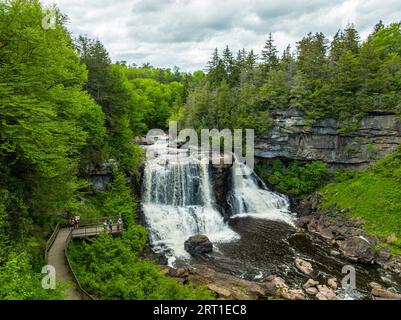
(88, 227)
(94, 230)
(84, 293)
(96, 221)
(51, 240)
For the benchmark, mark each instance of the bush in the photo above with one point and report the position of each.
(18, 281)
(294, 180)
(110, 268)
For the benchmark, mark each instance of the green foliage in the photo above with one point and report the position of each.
(110, 268)
(18, 281)
(110, 88)
(295, 179)
(48, 124)
(373, 196)
(344, 79)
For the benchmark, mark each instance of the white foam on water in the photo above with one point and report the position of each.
(177, 202)
(250, 200)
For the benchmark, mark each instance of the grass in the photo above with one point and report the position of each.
(373, 198)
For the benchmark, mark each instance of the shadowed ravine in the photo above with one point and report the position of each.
(259, 239)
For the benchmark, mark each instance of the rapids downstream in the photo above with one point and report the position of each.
(258, 240)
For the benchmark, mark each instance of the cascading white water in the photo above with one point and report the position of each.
(177, 201)
(248, 199)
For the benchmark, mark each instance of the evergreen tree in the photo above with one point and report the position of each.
(269, 56)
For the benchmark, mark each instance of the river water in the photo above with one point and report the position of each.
(258, 240)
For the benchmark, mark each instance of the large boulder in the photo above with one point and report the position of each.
(358, 248)
(198, 245)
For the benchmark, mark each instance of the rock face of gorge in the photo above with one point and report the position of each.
(293, 138)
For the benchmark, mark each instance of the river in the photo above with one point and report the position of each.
(258, 240)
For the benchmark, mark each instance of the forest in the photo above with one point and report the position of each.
(66, 107)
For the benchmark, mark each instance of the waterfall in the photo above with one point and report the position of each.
(249, 199)
(178, 201)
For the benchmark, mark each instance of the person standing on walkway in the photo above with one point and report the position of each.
(110, 225)
(105, 225)
(77, 218)
(120, 224)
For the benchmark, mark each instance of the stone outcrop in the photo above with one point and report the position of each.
(198, 245)
(380, 293)
(345, 235)
(101, 174)
(221, 183)
(229, 287)
(294, 138)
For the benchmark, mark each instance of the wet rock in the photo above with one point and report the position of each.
(303, 222)
(162, 260)
(179, 273)
(221, 292)
(198, 245)
(277, 287)
(394, 264)
(325, 293)
(226, 286)
(359, 248)
(221, 184)
(375, 285)
(384, 255)
(380, 293)
(312, 291)
(332, 283)
(334, 253)
(165, 270)
(295, 294)
(303, 266)
(310, 283)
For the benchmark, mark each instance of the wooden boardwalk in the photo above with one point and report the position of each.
(56, 256)
(57, 259)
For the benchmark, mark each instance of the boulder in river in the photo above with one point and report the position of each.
(303, 266)
(380, 293)
(359, 248)
(312, 291)
(310, 283)
(198, 245)
(325, 293)
(332, 282)
(277, 287)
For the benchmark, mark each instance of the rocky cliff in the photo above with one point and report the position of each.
(293, 138)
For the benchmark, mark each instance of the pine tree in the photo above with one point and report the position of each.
(351, 39)
(269, 55)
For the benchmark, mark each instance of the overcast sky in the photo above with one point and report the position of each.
(184, 32)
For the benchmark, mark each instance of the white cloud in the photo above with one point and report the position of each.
(184, 32)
